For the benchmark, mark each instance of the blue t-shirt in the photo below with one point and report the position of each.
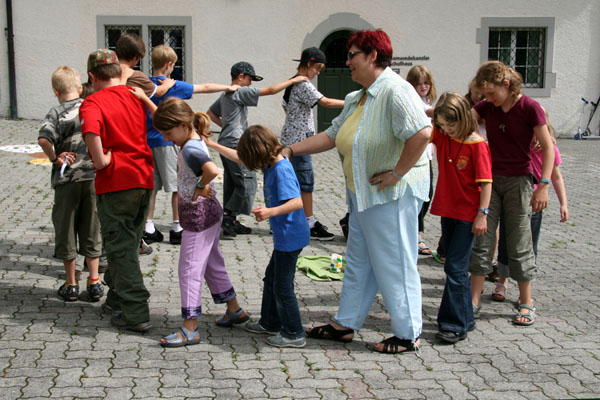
(290, 231)
(180, 89)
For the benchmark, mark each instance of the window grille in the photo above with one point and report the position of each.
(112, 33)
(521, 49)
(174, 37)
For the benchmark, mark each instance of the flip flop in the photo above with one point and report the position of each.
(436, 256)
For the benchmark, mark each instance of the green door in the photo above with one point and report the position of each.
(334, 81)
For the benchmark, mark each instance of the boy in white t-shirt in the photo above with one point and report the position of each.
(298, 102)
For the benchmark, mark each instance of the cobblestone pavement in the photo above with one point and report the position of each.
(53, 349)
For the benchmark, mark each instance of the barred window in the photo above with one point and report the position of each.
(524, 43)
(154, 31)
(522, 49)
(172, 36)
(112, 33)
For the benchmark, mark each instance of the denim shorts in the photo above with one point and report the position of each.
(304, 172)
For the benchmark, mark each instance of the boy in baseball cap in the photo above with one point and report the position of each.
(113, 125)
(230, 112)
(298, 102)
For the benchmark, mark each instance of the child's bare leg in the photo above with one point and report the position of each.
(70, 271)
(174, 206)
(476, 288)
(92, 263)
(152, 206)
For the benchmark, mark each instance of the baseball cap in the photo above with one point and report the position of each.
(245, 68)
(312, 54)
(101, 57)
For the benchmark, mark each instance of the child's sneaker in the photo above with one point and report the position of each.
(256, 327)
(154, 237)
(94, 290)
(319, 232)
(280, 341)
(69, 292)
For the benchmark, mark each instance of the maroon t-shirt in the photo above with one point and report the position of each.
(510, 134)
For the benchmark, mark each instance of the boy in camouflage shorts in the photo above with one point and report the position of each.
(74, 212)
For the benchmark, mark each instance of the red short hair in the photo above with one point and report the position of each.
(377, 40)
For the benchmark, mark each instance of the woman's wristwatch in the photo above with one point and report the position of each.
(486, 211)
(199, 185)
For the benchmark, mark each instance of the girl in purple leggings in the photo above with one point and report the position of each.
(200, 216)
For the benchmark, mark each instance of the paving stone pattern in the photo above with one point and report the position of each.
(49, 348)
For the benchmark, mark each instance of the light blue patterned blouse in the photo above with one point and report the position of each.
(393, 113)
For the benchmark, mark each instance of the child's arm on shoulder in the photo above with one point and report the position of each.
(140, 94)
(214, 87)
(262, 213)
(209, 172)
(224, 151)
(278, 87)
(164, 87)
(561, 192)
(94, 145)
(480, 223)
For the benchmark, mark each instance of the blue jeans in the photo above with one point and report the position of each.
(304, 172)
(456, 310)
(279, 310)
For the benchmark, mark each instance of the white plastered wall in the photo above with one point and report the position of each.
(270, 33)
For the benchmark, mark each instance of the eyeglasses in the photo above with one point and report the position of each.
(351, 54)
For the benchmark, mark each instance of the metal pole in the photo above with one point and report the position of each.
(12, 80)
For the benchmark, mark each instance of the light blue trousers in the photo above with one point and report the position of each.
(381, 254)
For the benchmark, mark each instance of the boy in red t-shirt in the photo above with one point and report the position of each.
(113, 124)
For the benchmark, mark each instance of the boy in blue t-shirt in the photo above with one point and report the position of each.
(165, 153)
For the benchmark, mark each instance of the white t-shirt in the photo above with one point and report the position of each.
(299, 123)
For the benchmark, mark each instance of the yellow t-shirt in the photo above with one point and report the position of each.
(344, 141)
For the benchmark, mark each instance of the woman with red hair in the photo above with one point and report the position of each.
(381, 135)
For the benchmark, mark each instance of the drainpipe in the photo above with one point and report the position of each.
(12, 81)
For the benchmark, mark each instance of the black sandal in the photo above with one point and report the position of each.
(328, 332)
(392, 345)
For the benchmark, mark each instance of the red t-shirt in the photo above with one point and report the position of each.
(461, 166)
(510, 134)
(119, 118)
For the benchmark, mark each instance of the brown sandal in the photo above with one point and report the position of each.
(328, 332)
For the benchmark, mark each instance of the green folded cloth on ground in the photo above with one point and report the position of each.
(318, 268)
